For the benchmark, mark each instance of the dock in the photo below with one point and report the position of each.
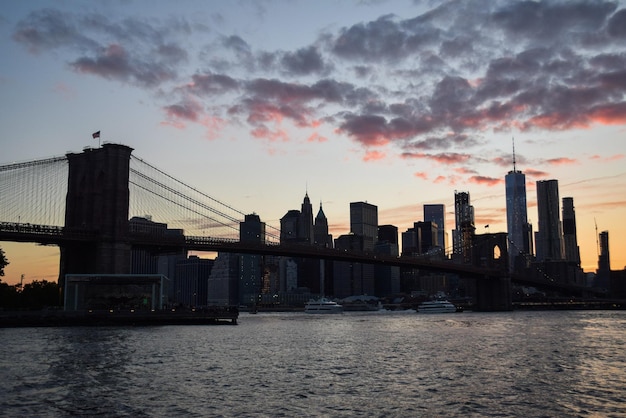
(52, 318)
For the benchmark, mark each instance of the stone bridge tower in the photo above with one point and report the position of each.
(97, 202)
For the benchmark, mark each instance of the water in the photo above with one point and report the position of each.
(514, 364)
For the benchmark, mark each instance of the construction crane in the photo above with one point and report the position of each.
(597, 242)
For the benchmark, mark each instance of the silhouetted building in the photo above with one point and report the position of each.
(427, 238)
(192, 279)
(289, 227)
(143, 261)
(349, 278)
(572, 251)
(519, 239)
(321, 237)
(604, 262)
(437, 213)
(297, 227)
(549, 237)
(464, 227)
(388, 233)
(306, 221)
(364, 222)
(409, 243)
(223, 283)
(251, 268)
(387, 278)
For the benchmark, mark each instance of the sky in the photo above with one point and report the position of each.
(397, 103)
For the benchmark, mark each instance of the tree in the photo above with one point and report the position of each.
(40, 294)
(3, 262)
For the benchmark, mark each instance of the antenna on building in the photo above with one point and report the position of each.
(513, 140)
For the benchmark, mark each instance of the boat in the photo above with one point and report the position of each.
(361, 303)
(323, 306)
(436, 306)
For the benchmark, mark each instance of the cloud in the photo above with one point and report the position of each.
(561, 161)
(442, 158)
(610, 158)
(303, 61)
(188, 110)
(420, 86)
(486, 181)
(534, 173)
(373, 155)
(101, 47)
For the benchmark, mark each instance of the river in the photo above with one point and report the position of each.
(380, 364)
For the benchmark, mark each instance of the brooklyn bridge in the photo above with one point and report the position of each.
(83, 203)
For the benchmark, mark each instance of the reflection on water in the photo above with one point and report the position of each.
(355, 364)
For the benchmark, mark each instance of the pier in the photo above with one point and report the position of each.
(57, 318)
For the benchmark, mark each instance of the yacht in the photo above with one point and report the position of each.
(436, 306)
(323, 306)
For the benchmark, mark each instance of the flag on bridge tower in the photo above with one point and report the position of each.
(95, 135)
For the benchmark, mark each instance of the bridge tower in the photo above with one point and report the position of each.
(490, 251)
(97, 202)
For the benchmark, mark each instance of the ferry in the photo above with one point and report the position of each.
(323, 306)
(436, 306)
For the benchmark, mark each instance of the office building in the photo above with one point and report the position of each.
(321, 237)
(305, 229)
(192, 279)
(572, 251)
(251, 266)
(464, 227)
(223, 283)
(549, 237)
(604, 262)
(519, 239)
(387, 278)
(437, 213)
(364, 222)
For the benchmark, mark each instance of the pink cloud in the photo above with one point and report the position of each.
(263, 132)
(315, 137)
(610, 158)
(485, 181)
(374, 155)
(464, 170)
(535, 173)
(609, 114)
(561, 161)
(420, 174)
(447, 158)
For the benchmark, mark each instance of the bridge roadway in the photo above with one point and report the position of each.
(55, 235)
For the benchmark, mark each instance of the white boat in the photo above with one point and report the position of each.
(323, 306)
(436, 306)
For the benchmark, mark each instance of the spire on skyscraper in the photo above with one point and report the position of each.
(513, 139)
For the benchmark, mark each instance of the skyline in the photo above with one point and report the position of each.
(397, 103)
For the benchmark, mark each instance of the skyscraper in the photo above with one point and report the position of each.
(305, 229)
(321, 237)
(437, 213)
(364, 232)
(572, 252)
(364, 222)
(604, 262)
(549, 237)
(251, 266)
(516, 218)
(464, 226)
